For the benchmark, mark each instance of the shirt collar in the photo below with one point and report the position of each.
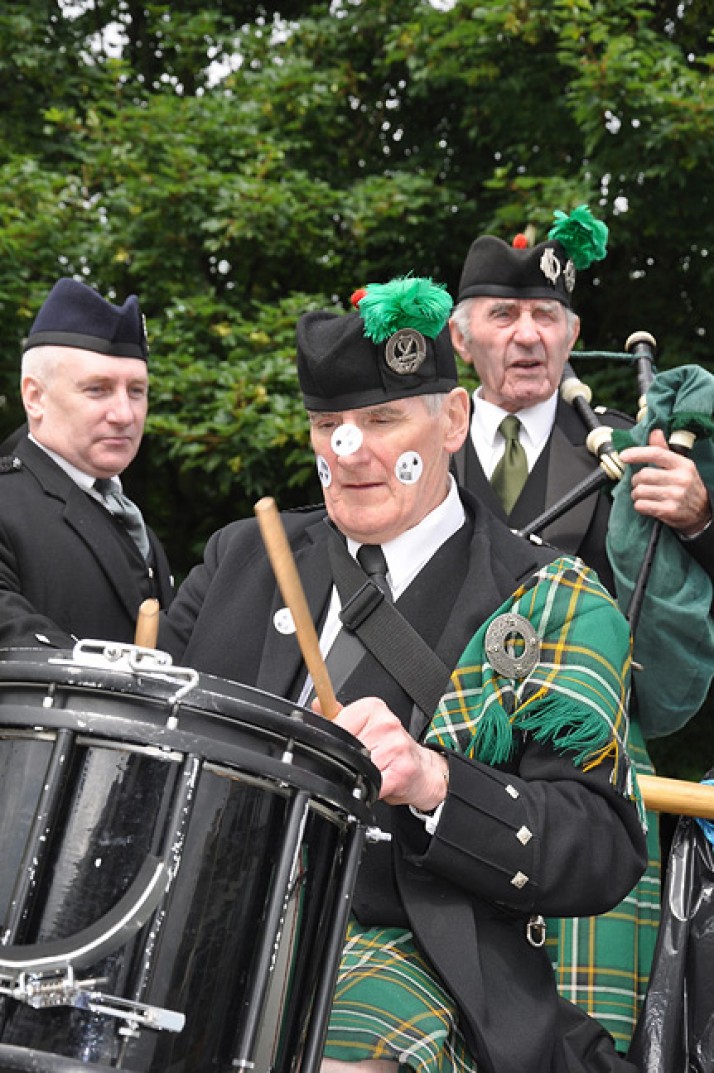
(537, 420)
(84, 480)
(408, 552)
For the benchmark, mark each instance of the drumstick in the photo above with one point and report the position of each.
(147, 624)
(288, 579)
(677, 796)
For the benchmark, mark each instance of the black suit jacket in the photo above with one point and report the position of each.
(457, 890)
(564, 462)
(68, 570)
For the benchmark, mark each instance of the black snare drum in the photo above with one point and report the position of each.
(178, 858)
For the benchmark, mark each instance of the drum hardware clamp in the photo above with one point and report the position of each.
(52, 990)
(288, 756)
(376, 834)
(153, 664)
(112, 654)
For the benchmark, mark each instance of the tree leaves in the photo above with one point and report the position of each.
(237, 164)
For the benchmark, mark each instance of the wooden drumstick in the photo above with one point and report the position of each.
(288, 579)
(147, 624)
(677, 796)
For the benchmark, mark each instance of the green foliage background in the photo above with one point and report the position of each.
(235, 164)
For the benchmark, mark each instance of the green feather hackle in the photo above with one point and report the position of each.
(407, 302)
(583, 238)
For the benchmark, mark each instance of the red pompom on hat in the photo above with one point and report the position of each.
(520, 241)
(357, 296)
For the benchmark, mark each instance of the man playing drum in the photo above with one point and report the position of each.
(488, 679)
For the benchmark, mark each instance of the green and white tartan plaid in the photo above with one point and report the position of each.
(602, 964)
(576, 697)
(388, 1002)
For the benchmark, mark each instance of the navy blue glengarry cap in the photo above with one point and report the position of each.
(395, 345)
(75, 315)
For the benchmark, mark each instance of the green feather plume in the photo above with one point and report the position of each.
(583, 238)
(406, 302)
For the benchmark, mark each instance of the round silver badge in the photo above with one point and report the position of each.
(512, 646)
(405, 351)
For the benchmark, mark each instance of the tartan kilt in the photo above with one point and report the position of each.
(388, 1004)
(602, 964)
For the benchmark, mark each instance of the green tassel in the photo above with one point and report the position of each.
(495, 742)
(569, 728)
(407, 302)
(621, 439)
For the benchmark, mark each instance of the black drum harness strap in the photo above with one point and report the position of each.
(384, 631)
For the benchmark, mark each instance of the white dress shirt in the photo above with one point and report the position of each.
(405, 555)
(536, 424)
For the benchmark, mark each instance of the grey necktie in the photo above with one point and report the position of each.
(126, 512)
(511, 472)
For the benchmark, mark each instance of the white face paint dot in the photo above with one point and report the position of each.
(409, 467)
(346, 440)
(323, 471)
(283, 621)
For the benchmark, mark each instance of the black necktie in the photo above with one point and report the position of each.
(372, 560)
(347, 650)
(511, 473)
(126, 512)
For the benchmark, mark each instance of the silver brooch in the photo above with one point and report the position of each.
(550, 265)
(569, 276)
(405, 351)
(507, 634)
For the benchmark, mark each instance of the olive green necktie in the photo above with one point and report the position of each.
(511, 472)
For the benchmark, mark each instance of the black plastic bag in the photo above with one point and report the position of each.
(675, 1030)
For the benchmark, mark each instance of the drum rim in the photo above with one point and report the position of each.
(180, 727)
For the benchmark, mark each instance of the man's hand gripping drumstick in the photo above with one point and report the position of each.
(411, 774)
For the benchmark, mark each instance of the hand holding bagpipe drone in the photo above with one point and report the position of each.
(664, 593)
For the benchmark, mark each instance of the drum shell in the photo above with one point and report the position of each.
(255, 759)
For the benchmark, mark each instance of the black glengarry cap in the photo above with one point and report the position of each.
(493, 268)
(395, 345)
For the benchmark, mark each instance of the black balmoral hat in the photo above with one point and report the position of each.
(396, 345)
(493, 268)
(74, 315)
